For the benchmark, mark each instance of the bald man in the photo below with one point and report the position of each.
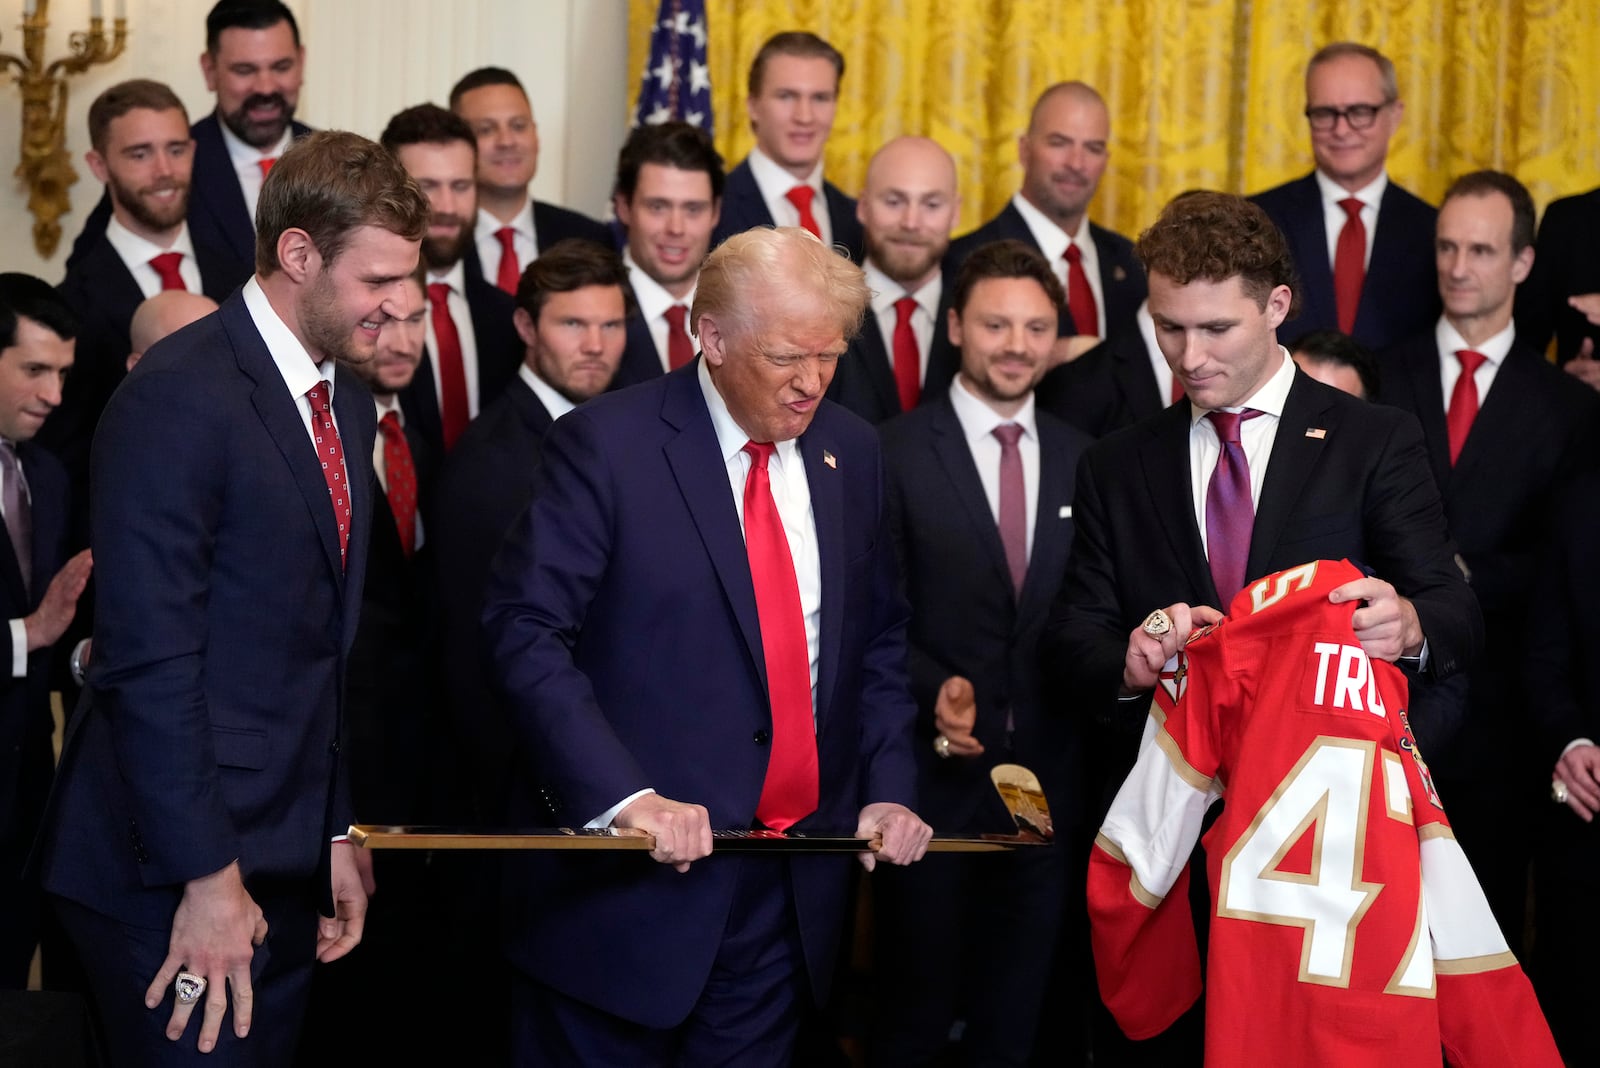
(903, 353)
(165, 313)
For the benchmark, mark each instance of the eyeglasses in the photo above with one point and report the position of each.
(1356, 116)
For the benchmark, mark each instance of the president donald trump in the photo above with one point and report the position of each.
(697, 625)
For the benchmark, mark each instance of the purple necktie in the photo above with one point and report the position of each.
(1230, 511)
(1013, 504)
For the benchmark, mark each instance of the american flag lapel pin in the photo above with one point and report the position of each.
(827, 458)
(1316, 432)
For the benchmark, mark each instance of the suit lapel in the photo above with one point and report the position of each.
(1309, 239)
(874, 363)
(1164, 456)
(216, 188)
(955, 457)
(1420, 365)
(1135, 378)
(1052, 532)
(1294, 455)
(827, 510)
(1509, 406)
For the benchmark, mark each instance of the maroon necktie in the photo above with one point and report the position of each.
(800, 196)
(1080, 297)
(166, 266)
(1177, 389)
(789, 793)
(1230, 510)
(680, 350)
(401, 475)
(1013, 504)
(331, 455)
(907, 355)
(509, 274)
(1463, 401)
(1349, 264)
(452, 367)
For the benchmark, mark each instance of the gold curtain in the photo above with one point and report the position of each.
(1203, 93)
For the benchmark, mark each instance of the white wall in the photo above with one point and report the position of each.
(365, 60)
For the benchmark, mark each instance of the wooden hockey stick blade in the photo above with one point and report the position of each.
(375, 836)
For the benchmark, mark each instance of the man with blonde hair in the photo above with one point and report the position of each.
(697, 626)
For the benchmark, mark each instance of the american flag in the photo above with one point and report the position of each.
(676, 84)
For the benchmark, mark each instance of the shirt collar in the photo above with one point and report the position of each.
(294, 363)
(653, 300)
(731, 438)
(138, 251)
(1052, 239)
(1269, 399)
(455, 277)
(1494, 348)
(978, 420)
(769, 176)
(244, 155)
(1370, 194)
(487, 225)
(386, 403)
(885, 291)
(553, 402)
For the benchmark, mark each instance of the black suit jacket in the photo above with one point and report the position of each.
(1566, 265)
(217, 213)
(965, 618)
(1362, 489)
(641, 360)
(1562, 699)
(483, 487)
(551, 223)
(1107, 388)
(1400, 297)
(743, 208)
(1536, 425)
(499, 353)
(1122, 281)
(864, 379)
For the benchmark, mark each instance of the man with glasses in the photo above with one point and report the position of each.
(1362, 246)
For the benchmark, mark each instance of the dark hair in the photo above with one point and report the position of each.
(481, 77)
(427, 124)
(1482, 184)
(794, 43)
(1341, 350)
(247, 15)
(671, 144)
(22, 296)
(569, 264)
(1218, 236)
(124, 97)
(328, 184)
(1006, 259)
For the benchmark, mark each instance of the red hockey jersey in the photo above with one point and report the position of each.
(1348, 928)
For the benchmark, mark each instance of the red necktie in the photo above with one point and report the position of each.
(907, 355)
(166, 266)
(680, 350)
(1463, 401)
(1349, 264)
(1230, 509)
(509, 274)
(452, 367)
(1177, 389)
(1080, 298)
(789, 793)
(1013, 504)
(800, 196)
(331, 455)
(266, 165)
(401, 474)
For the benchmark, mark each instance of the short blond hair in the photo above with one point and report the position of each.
(781, 263)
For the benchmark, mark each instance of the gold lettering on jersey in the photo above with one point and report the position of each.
(1283, 583)
(1354, 684)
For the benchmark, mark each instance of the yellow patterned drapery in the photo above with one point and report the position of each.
(1203, 93)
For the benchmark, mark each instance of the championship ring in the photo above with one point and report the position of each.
(1157, 624)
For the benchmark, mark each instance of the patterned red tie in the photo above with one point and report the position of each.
(789, 793)
(1013, 504)
(907, 355)
(401, 475)
(1080, 297)
(1230, 509)
(1463, 402)
(800, 196)
(1349, 264)
(680, 350)
(331, 455)
(452, 366)
(166, 266)
(510, 272)
(265, 163)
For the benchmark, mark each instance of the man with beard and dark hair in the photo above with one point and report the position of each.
(196, 830)
(254, 63)
(472, 348)
(143, 153)
(903, 355)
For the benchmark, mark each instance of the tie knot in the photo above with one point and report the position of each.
(507, 237)
(1009, 434)
(265, 163)
(1470, 360)
(390, 423)
(1228, 423)
(1352, 207)
(800, 196)
(904, 309)
(760, 452)
(676, 313)
(438, 293)
(318, 396)
(1073, 254)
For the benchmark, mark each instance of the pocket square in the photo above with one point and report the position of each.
(1065, 512)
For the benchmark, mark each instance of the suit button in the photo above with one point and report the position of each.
(763, 736)
(334, 748)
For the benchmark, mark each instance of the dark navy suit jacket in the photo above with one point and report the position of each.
(551, 223)
(1109, 387)
(743, 208)
(1400, 297)
(1566, 266)
(211, 727)
(499, 353)
(622, 619)
(864, 381)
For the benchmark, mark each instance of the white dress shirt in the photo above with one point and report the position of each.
(247, 163)
(525, 239)
(1334, 217)
(136, 252)
(775, 183)
(299, 371)
(1256, 435)
(653, 304)
(1053, 242)
(978, 422)
(553, 402)
(461, 315)
(1450, 341)
(924, 319)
